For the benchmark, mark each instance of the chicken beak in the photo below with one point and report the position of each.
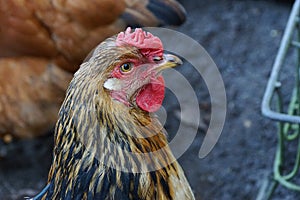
(168, 61)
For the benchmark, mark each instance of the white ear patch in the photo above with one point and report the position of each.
(112, 84)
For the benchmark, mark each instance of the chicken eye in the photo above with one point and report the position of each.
(126, 67)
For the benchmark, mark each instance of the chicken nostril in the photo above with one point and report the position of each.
(157, 58)
(171, 59)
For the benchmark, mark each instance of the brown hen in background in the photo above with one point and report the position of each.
(41, 41)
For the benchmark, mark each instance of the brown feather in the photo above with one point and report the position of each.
(64, 31)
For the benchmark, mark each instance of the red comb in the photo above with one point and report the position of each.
(145, 41)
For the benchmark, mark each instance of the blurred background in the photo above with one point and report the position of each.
(242, 37)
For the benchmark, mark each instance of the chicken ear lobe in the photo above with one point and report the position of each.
(112, 84)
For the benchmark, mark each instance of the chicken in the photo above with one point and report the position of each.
(65, 31)
(39, 38)
(32, 91)
(108, 142)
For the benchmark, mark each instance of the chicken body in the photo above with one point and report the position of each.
(109, 146)
(65, 31)
(31, 92)
(39, 37)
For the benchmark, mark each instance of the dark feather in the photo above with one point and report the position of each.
(168, 12)
(159, 12)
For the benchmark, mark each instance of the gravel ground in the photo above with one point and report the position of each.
(242, 37)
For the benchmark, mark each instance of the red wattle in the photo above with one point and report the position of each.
(151, 96)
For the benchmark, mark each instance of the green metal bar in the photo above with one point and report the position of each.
(285, 128)
(280, 146)
(295, 170)
(295, 111)
(291, 111)
(279, 157)
(289, 122)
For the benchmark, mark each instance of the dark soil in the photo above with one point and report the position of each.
(242, 37)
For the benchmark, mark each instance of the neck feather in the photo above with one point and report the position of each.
(97, 148)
